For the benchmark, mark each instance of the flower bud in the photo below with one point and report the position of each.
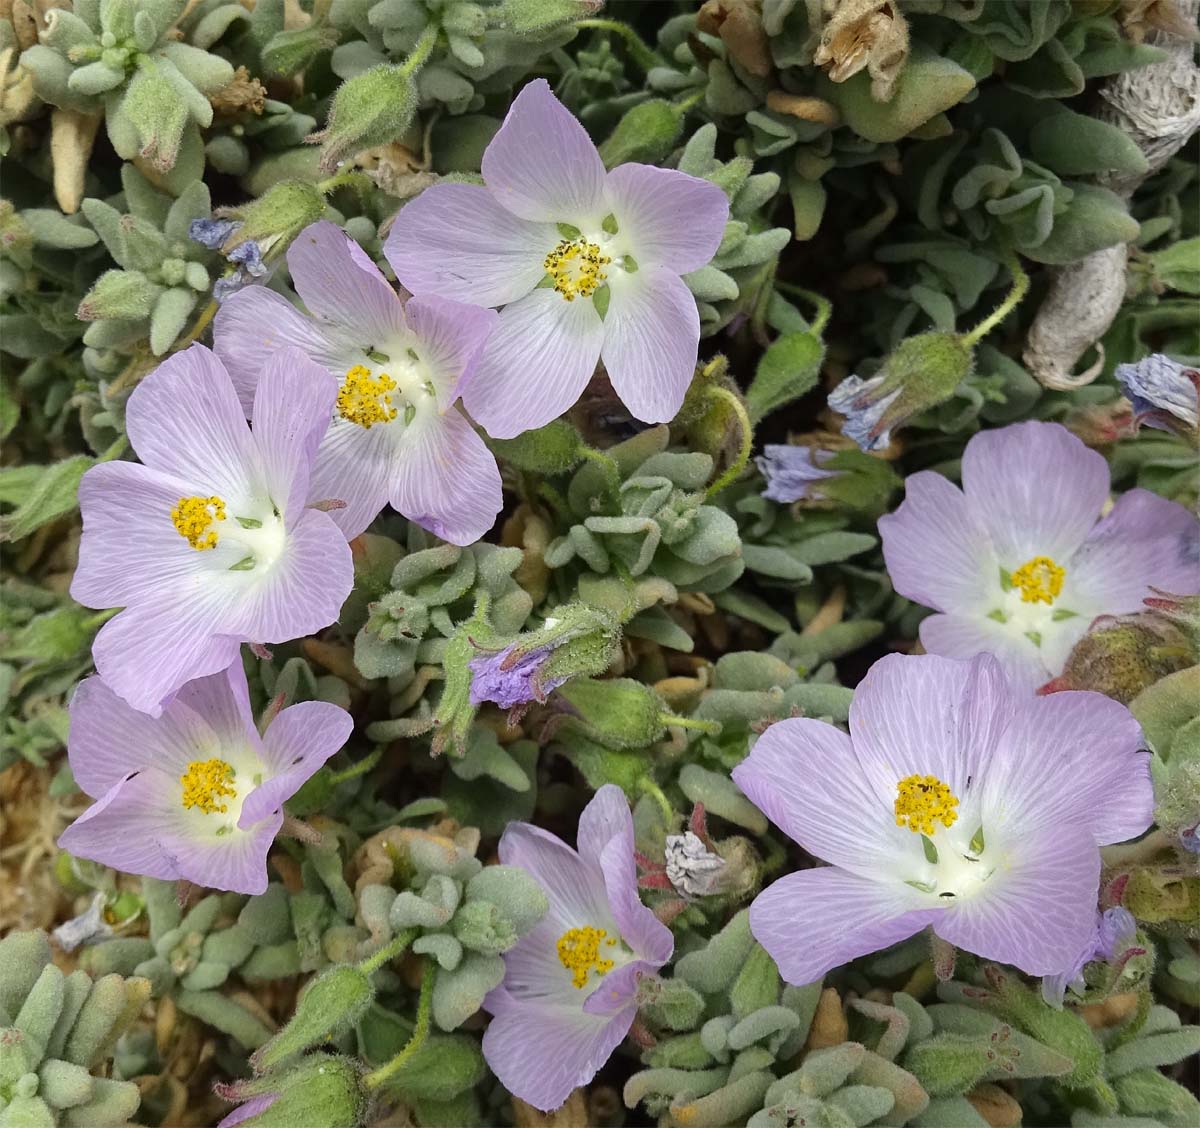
(272, 221)
(370, 109)
(321, 1089)
(334, 1000)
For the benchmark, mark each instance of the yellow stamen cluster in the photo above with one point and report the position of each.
(192, 519)
(1039, 580)
(579, 953)
(205, 784)
(577, 268)
(364, 398)
(923, 800)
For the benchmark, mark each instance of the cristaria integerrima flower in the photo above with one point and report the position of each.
(1019, 562)
(194, 794)
(955, 803)
(207, 543)
(397, 434)
(556, 240)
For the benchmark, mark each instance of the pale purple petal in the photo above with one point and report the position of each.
(1071, 756)
(668, 218)
(1035, 488)
(295, 745)
(1038, 908)
(817, 919)
(651, 333)
(355, 465)
(937, 553)
(222, 700)
(790, 471)
(449, 341)
(536, 364)
(455, 240)
(253, 324)
(541, 164)
(248, 1110)
(1145, 541)
(185, 419)
(617, 990)
(495, 678)
(341, 286)
(542, 1053)
(963, 637)
(445, 479)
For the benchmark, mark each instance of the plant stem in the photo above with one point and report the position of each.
(743, 456)
(420, 1032)
(1020, 288)
(687, 103)
(645, 56)
(823, 304)
(1131, 1029)
(364, 765)
(210, 311)
(649, 787)
(421, 51)
(388, 951)
(713, 728)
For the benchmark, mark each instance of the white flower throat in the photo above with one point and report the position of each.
(1031, 602)
(954, 862)
(579, 264)
(257, 537)
(390, 386)
(214, 790)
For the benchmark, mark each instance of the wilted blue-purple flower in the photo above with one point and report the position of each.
(1164, 393)
(397, 434)
(586, 264)
(512, 677)
(246, 256)
(1113, 937)
(955, 803)
(568, 995)
(791, 471)
(864, 407)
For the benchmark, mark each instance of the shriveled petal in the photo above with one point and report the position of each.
(804, 776)
(1035, 488)
(341, 286)
(1070, 756)
(963, 637)
(355, 465)
(936, 552)
(536, 363)
(1038, 908)
(149, 651)
(185, 420)
(541, 1054)
(253, 324)
(445, 479)
(450, 339)
(1145, 541)
(541, 164)
(922, 714)
(651, 332)
(292, 407)
(295, 745)
(667, 217)
(455, 240)
(817, 919)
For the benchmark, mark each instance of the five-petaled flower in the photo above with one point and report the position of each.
(568, 996)
(207, 543)
(194, 794)
(586, 264)
(1019, 561)
(955, 803)
(396, 433)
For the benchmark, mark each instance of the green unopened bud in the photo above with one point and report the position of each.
(645, 133)
(153, 106)
(125, 295)
(333, 1001)
(616, 712)
(287, 53)
(535, 17)
(669, 1003)
(370, 109)
(277, 216)
(321, 1089)
(950, 1064)
(553, 449)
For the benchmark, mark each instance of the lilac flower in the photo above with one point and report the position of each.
(586, 263)
(1164, 393)
(568, 996)
(207, 543)
(195, 794)
(1112, 937)
(1019, 562)
(396, 434)
(790, 471)
(954, 803)
(511, 677)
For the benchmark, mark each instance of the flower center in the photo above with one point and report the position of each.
(577, 268)
(364, 398)
(923, 800)
(192, 519)
(205, 784)
(1039, 580)
(579, 953)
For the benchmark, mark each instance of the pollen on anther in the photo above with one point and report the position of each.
(193, 518)
(1039, 580)
(579, 952)
(364, 399)
(921, 801)
(205, 784)
(576, 268)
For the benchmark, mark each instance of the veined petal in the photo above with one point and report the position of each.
(222, 702)
(185, 420)
(936, 552)
(541, 164)
(1038, 908)
(354, 464)
(963, 637)
(668, 217)
(450, 339)
(445, 478)
(341, 286)
(1035, 488)
(536, 363)
(456, 241)
(651, 332)
(817, 919)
